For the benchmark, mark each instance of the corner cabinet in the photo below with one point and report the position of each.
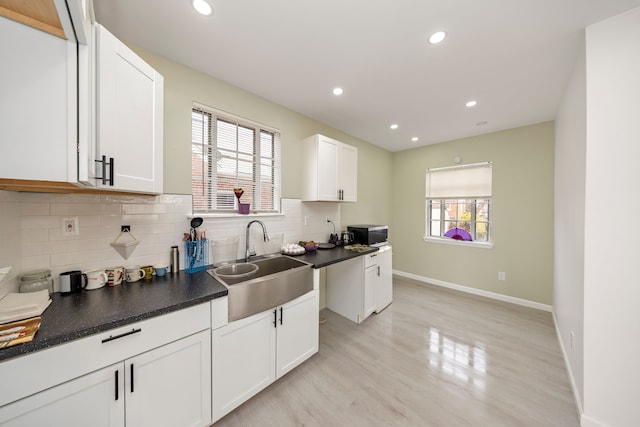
(330, 170)
(251, 353)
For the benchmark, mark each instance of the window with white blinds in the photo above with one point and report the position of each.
(227, 153)
(458, 203)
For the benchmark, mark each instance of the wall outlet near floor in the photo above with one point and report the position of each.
(70, 226)
(502, 275)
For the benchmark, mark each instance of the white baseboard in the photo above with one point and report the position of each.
(572, 381)
(474, 291)
(585, 421)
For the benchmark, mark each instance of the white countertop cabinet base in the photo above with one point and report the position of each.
(251, 353)
(358, 287)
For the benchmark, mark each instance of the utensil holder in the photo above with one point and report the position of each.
(196, 255)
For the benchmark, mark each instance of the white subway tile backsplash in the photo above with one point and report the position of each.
(75, 209)
(30, 224)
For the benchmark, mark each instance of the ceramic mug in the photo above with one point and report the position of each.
(114, 275)
(96, 279)
(72, 281)
(148, 272)
(161, 269)
(133, 274)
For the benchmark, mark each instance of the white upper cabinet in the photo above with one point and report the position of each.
(71, 94)
(330, 170)
(38, 104)
(129, 119)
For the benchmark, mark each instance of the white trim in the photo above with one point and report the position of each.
(475, 291)
(470, 165)
(574, 388)
(585, 421)
(446, 241)
(235, 117)
(235, 215)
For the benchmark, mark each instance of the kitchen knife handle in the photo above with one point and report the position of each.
(281, 315)
(117, 372)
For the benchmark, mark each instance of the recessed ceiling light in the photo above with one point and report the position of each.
(481, 123)
(393, 126)
(414, 139)
(202, 7)
(437, 37)
(338, 91)
(471, 103)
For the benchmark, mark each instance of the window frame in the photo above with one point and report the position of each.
(459, 199)
(208, 175)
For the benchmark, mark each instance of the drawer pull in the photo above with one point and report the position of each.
(132, 378)
(116, 384)
(115, 337)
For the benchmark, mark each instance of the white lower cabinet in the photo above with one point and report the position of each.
(361, 286)
(251, 353)
(168, 386)
(95, 399)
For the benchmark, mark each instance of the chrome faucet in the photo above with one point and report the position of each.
(247, 253)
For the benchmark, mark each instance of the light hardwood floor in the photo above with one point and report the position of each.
(434, 357)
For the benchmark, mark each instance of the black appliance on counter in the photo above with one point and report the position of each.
(370, 234)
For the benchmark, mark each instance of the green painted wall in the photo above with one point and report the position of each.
(522, 214)
(391, 185)
(184, 85)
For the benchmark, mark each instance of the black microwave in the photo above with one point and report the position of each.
(369, 234)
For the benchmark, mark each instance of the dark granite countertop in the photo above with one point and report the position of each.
(324, 257)
(70, 317)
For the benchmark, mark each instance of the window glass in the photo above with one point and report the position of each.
(228, 153)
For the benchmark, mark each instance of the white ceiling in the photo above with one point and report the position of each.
(513, 56)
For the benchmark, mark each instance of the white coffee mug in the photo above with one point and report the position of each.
(133, 274)
(96, 279)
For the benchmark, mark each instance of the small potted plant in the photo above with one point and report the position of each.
(243, 208)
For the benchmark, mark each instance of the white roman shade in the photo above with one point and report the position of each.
(459, 182)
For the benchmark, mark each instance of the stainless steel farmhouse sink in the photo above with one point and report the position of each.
(276, 281)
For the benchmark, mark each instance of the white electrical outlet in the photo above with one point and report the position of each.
(70, 226)
(502, 275)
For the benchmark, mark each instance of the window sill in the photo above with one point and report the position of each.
(236, 215)
(482, 245)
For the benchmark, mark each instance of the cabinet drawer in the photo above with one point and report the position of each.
(370, 259)
(41, 370)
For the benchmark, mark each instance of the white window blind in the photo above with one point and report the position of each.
(227, 153)
(459, 182)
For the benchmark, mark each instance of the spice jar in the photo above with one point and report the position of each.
(37, 280)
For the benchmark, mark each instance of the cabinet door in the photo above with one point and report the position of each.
(128, 117)
(171, 385)
(327, 169)
(297, 332)
(369, 291)
(348, 172)
(95, 399)
(37, 105)
(243, 361)
(384, 279)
